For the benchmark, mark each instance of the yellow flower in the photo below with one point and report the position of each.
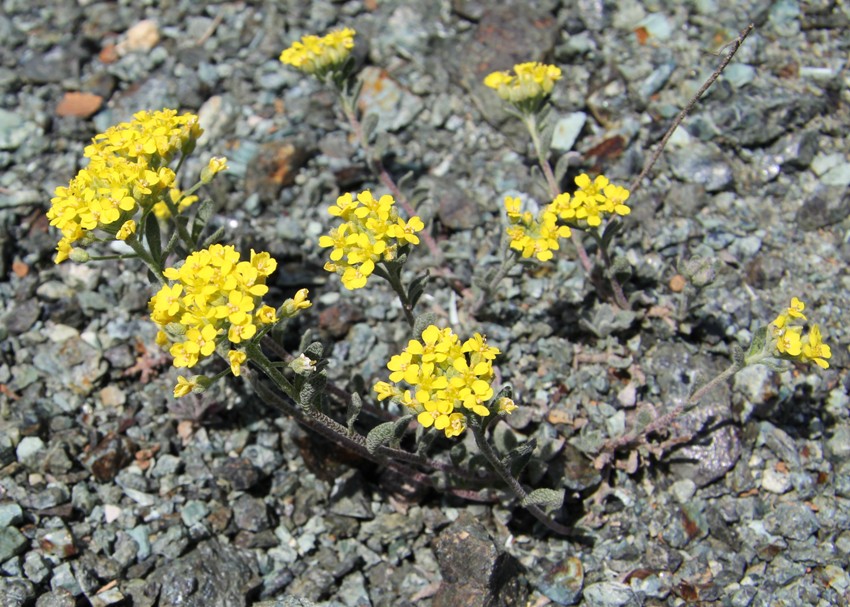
(505, 406)
(213, 296)
(527, 87)
(266, 315)
(236, 358)
(126, 229)
(815, 350)
(216, 165)
(448, 380)
(152, 137)
(184, 386)
(372, 232)
(789, 342)
(127, 172)
(531, 236)
(319, 56)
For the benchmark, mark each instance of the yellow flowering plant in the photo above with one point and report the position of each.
(214, 304)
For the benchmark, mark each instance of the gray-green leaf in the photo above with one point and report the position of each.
(549, 498)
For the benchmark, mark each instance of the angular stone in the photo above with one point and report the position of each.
(12, 542)
(211, 574)
(475, 572)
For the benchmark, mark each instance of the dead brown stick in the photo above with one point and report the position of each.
(735, 44)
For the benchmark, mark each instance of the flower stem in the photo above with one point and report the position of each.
(508, 262)
(663, 422)
(513, 484)
(256, 356)
(348, 108)
(146, 257)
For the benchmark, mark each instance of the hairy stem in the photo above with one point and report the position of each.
(663, 422)
(513, 484)
(383, 175)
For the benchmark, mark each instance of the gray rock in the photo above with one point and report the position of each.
(348, 497)
(193, 512)
(795, 150)
(475, 573)
(701, 164)
(563, 583)
(211, 574)
(58, 543)
(15, 130)
(12, 542)
(774, 481)
(141, 535)
(567, 130)
(823, 207)
(10, 514)
(29, 451)
(36, 567)
(15, 591)
(610, 594)
(684, 490)
(63, 579)
(250, 513)
(792, 520)
(755, 117)
(838, 444)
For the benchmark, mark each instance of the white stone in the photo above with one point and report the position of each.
(775, 481)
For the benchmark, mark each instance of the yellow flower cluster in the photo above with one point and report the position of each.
(214, 295)
(529, 82)
(591, 201)
(127, 171)
(448, 380)
(372, 231)
(534, 236)
(152, 137)
(315, 55)
(538, 236)
(789, 339)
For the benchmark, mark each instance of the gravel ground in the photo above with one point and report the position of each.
(113, 493)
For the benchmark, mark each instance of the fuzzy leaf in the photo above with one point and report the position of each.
(314, 350)
(209, 240)
(379, 436)
(405, 181)
(424, 441)
(611, 230)
(400, 426)
(370, 123)
(457, 453)
(422, 322)
(307, 396)
(518, 457)
(354, 408)
(172, 242)
(203, 215)
(758, 342)
(561, 167)
(738, 356)
(549, 498)
(154, 237)
(417, 287)
(620, 267)
(546, 134)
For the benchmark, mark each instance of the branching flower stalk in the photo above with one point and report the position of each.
(781, 340)
(527, 90)
(328, 59)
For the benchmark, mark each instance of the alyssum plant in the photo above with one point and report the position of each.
(210, 300)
